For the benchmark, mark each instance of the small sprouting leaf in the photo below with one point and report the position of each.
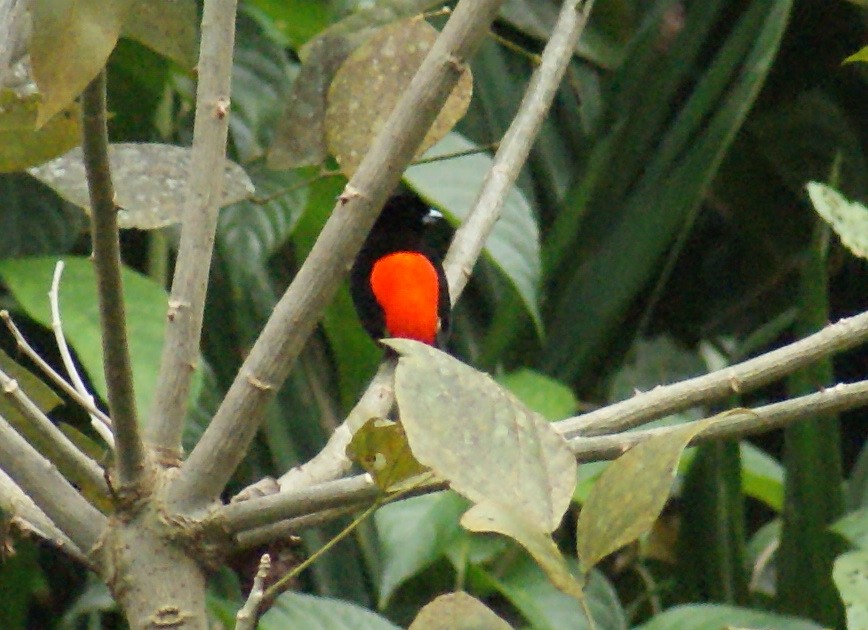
(509, 521)
(630, 494)
(372, 80)
(168, 28)
(849, 219)
(71, 42)
(479, 437)
(457, 611)
(23, 145)
(380, 447)
(859, 55)
(150, 182)
(850, 573)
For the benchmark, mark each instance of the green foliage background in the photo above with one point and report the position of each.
(675, 236)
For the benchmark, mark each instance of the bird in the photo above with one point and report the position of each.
(397, 282)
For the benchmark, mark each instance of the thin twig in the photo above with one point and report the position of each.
(187, 301)
(246, 617)
(516, 144)
(742, 377)
(50, 490)
(58, 448)
(99, 422)
(51, 373)
(129, 451)
(204, 474)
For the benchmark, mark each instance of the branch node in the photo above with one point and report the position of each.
(10, 386)
(221, 108)
(259, 384)
(350, 192)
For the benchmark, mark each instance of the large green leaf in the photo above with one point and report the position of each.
(452, 185)
(29, 280)
(414, 534)
(168, 28)
(457, 611)
(21, 144)
(851, 578)
(71, 42)
(717, 616)
(670, 131)
(296, 610)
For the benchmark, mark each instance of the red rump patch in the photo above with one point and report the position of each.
(406, 287)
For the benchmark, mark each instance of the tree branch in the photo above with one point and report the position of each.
(187, 301)
(49, 490)
(516, 144)
(41, 430)
(335, 498)
(204, 474)
(742, 377)
(28, 518)
(129, 450)
(470, 238)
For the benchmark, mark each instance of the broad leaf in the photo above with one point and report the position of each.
(23, 145)
(150, 182)
(717, 616)
(295, 610)
(630, 494)
(851, 577)
(457, 611)
(859, 55)
(513, 244)
(380, 447)
(29, 280)
(372, 80)
(168, 28)
(509, 521)
(854, 527)
(541, 393)
(71, 42)
(413, 534)
(849, 219)
(480, 438)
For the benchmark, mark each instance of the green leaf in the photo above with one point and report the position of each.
(23, 145)
(380, 448)
(717, 616)
(295, 610)
(413, 534)
(541, 393)
(854, 527)
(457, 611)
(762, 476)
(29, 280)
(630, 494)
(480, 438)
(150, 182)
(859, 55)
(851, 577)
(34, 221)
(71, 42)
(509, 521)
(849, 219)
(513, 246)
(371, 81)
(544, 607)
(168, 28)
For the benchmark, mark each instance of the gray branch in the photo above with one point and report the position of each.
(204, 474)
(187, 300)
(49, 490)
